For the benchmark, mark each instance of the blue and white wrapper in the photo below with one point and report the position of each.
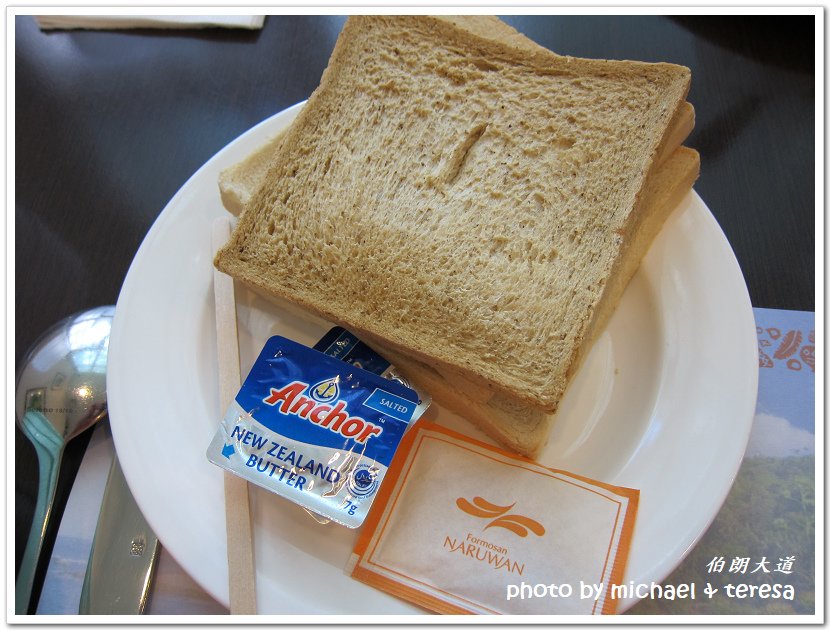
(314, 429)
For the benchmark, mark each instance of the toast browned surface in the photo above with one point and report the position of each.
(468, 204)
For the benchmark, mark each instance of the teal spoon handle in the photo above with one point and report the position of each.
(49, 447)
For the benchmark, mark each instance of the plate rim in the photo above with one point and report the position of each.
(225, 157)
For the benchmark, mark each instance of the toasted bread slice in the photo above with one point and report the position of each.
(239, 182)
(510, 420)
(512, 423)
(459, 200)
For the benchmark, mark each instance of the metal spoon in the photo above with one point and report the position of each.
(61, 392)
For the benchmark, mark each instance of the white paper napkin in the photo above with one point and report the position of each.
(464, 527)
(49, 22)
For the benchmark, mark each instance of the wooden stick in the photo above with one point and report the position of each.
(241, 570)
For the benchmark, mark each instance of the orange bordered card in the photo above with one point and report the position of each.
(462, 527)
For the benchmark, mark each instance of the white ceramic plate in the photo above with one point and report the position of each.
(664, 402)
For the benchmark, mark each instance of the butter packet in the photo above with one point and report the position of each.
(345, 346)
(314, 429)
(463, 527)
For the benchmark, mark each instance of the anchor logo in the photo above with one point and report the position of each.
(327, 390)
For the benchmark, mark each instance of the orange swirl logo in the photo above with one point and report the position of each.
(516, 523)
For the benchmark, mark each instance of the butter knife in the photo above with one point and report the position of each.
(123, 557)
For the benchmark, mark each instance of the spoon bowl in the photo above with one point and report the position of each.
(61, 392)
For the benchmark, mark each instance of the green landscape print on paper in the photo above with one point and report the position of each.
(758, 556)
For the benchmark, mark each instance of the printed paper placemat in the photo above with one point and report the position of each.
(759, 555)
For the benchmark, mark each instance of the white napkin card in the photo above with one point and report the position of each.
(463, 527)
(50, 22)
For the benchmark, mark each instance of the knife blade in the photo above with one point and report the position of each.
(124, 554)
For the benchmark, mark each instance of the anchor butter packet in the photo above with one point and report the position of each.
(341, 344)
(316, 430)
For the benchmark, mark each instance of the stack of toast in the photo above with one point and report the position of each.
(467, 202)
